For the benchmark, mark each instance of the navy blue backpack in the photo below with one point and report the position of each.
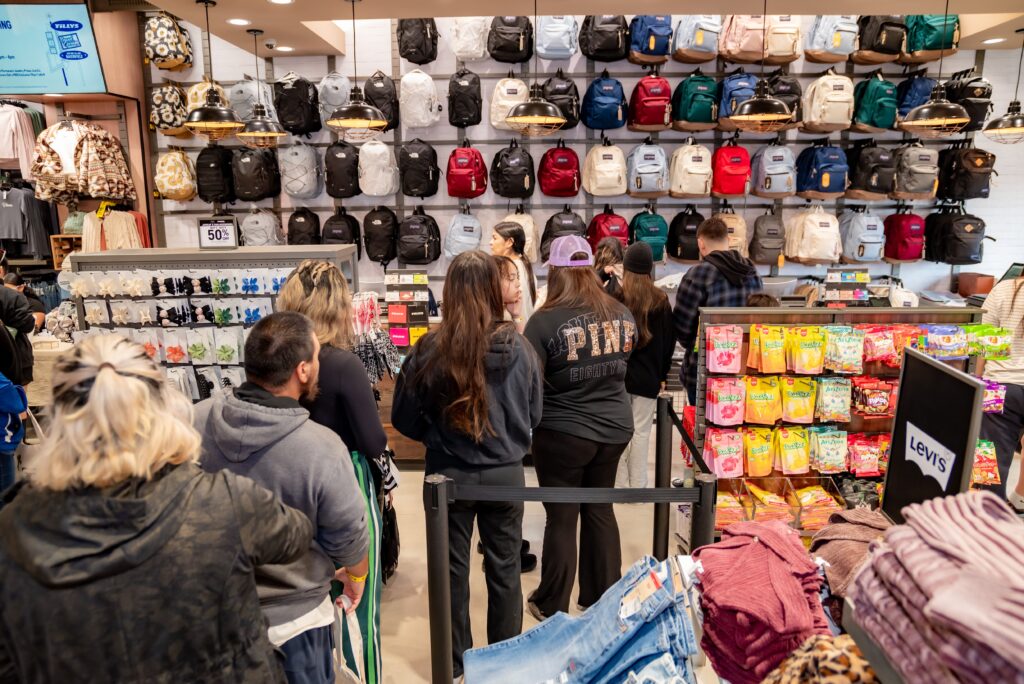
(733, 90)
(604, 104)
(650, 38)
(821, 170)
(913, 92)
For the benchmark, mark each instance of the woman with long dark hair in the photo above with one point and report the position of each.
(650, 361)
(471, 392)
(608, 265)
(583, 338)
(508, 239)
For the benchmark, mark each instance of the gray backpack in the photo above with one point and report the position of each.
(302, 175)
(261, 229)
(334, 90)
(244, 95)
(769, 239)
(464, 235)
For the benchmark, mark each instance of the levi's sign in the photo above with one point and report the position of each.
(935, 460)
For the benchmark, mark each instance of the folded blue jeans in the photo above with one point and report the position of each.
(671, 633)
(660, 670)
(577, 649)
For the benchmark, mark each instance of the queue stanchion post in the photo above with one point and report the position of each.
(662, 474)
(703, 531)
(435, 503)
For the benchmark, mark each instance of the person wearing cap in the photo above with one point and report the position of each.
(724, 277)
(583, 338)
(650, 361)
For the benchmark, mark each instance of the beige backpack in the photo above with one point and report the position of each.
(197, 94)
(175, 176)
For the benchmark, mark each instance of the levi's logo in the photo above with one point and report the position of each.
(934, 459)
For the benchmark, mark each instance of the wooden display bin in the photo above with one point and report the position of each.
(63, 245)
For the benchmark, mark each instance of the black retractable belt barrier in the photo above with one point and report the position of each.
(438, 492)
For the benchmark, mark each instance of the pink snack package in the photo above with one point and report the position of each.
(723, 451)
(724, 347)
(726, 401)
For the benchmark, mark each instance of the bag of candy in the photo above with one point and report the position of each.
(994, 397)
(874, 396)
(725, 401)
(773, 349)
(798, 395)
(834, 398)
(758, 449)
(723, 451)
(863, 455)
(944, 342)
(844, 350)
(724, 347)
(995, 344)
(763, 400)
(879, 344)
(769, 505)
(828, 450)
(793, 449)
(805, 350)
(986, 468)
(754, 350)
(903, 336)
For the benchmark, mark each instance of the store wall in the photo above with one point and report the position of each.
(375, 38)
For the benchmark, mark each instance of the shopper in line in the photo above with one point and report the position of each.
(650, 361)
(583, 338)
(508, 239)
(1004, 307)
(16, 324)
(16, 282)
(724, 277)
(345, 404)
(120, 559)
(471, 392)
(261, 431)
(608, 265)
(511, 291)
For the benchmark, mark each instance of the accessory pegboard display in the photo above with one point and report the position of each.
(790, 80)
(190, 309)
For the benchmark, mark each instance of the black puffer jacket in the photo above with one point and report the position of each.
(143, 581)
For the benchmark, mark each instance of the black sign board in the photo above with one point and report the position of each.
(934, 435)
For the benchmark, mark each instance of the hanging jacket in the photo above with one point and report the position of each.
(99, 167)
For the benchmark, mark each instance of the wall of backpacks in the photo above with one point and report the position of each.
(642, 157)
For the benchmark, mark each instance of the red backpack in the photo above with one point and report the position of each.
(467, 173)
(650, 105)
(607, 224)
(904, 235)
(559, 172)
(731, 171)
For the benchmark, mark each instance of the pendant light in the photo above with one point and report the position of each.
(1009, 128)
(938, 117)
(762, 113)
(214, 121)
(357, 120)
(536, 117)
(260, 131)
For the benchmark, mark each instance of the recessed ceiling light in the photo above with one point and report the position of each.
(50, 95)
(993, 41)
(282, 2)
(285, 48)
(239, 22)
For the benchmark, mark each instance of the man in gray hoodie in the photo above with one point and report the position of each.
(260, 431)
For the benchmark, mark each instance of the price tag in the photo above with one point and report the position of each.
(218, 232)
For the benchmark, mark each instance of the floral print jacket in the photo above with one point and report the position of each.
(100, 169)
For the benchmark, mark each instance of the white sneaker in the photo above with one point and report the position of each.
(1016, 500)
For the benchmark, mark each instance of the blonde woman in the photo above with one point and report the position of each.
(117, 523)
(346, 405)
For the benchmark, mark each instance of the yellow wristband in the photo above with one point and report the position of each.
(354, 578)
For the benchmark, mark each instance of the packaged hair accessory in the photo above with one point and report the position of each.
(201, 347)
(228, 345)
(724, 348)
(176, 346)
(723, 449)
(793, 449)
(798, 395)
(763, 400)
(758, 450)
(833, 400)
(725, 405)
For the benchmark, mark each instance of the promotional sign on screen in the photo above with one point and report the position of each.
(48, 49)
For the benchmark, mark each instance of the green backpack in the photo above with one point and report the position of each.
(650, 228)
(874, 103)
(932, 32)
(694, 100)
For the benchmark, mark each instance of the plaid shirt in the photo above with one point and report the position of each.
(704, 286)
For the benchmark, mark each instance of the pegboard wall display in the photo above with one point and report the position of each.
(629, 196)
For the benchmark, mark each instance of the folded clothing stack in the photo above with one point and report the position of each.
(824, 659)
(943, 595)
(843, 543)
(759, 597)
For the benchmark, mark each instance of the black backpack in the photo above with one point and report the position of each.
(298, 105)
(341, 170)
(974, 94)
(465, 103)
(965, 173)
(787, 89)
(419, 239)
(512, 172)
(417, 169)
(510, 39)
(872, 170)
(563, 93)
(565, 222)
(417, 40)
(883, 33)
(380, 91)
(603, 37)
(214, 179)
(682, 235)
(303, 227)
(256, 175)
(380, 233)
(343, 229)
(953, 236)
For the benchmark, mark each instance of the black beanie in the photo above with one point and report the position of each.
(638, 259)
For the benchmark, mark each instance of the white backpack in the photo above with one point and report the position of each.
(175, 176)
(464, 235)
(245, 94)
(557, 37)
(333, 91)
(827, 104)
(863, 236)
(418, 101)
(469, 38)
(690, 175)
(507, 94)
(378, 171)
(261, 229)
(737, 226)
(604, 171)
(813, 235)
(742, 38)
(530, 229)
(302, 175)
(782, 42)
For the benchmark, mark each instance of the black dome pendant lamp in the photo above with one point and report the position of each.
(357, 120)
(938, 117)
(762, 113)
(213, 121)
(536, 117)
(1009, 128)
(260, 131)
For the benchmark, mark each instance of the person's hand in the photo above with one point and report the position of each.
(352, 590)
(515, 309)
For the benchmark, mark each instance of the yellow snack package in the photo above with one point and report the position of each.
(805, 350)
(773, 349)
(793, 448)
(763, 400)
(759, 451)
(754, 353)
(798, 399)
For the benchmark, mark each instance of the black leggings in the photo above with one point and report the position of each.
(1005, 431)
(563, 460)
